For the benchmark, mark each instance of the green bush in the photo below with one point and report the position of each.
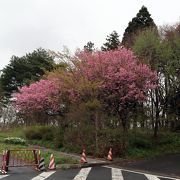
(32, 134)
(141, 143)
(111, 138)
(59, 159)
(47, 133)
(39, 133)
(15, 140)
(140, 140)
(75, 138)
(58, 138)
(141, 153)
(169, 138)
(42, 143)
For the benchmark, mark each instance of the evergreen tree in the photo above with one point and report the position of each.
(89, 47)
(112, 42)
(24, 70)
(141, 22)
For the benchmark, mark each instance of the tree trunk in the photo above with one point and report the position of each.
(157, 114)
(96, 133)
(125, 132)
(152, 110)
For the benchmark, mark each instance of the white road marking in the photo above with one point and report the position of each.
(138, 172)
(83, 174)
(3, 176)
(43, 175)
(116, 174)
(151, 177)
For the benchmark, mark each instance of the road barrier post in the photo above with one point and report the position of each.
(36, 158)
(7, 156)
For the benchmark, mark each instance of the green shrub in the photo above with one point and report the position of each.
(15, 140)
(140, 153)
(58, 138)
(141, 143)
(59, 159)
(75, 138)
(32, 133)
(39, 133)
(169, 138)
(47, 132)
(140, 140)
(42, 143)
(111, 138)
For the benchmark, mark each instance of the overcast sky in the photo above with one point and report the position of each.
(29, 24)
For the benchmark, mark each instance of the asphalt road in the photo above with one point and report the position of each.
(90, 173)
(166, 164)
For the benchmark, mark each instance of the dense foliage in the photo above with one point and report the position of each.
(118, 72)
(24, 70)
(103, 81)
(112, 42)
(161, 52)
(89, 47)
(139, 23)
(39, 96)
(114, 97)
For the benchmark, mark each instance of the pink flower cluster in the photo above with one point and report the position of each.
(119, 72)
(41, 95)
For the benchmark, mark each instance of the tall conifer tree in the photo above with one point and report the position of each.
(112, 42)
(139, 23)
(89, 47)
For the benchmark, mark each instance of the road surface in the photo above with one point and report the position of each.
(89, 173)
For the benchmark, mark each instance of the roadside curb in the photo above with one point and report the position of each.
(75, 166)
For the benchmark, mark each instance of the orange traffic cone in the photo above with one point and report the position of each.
(109, 157)
(83, 158)
(52, 165)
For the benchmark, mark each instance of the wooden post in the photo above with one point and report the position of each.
(35, 158)
(7, 157)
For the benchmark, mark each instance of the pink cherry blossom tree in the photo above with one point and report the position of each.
(39, 96)
(117, 79)
(125, 81)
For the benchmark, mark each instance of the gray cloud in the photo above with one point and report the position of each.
(29, 24)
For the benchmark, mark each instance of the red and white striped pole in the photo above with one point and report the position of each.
(52, 165)
(109, 157)
(83, 157)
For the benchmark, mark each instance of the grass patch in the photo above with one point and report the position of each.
(15, 140)
(59, 159)
(143, 146)
(15, 132)
(11, 133)
(4, 145)
(43, 143)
